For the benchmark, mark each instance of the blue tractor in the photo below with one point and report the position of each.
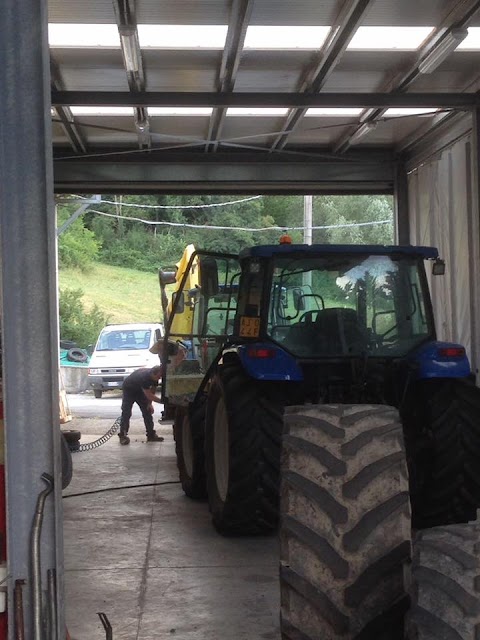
(310, 387)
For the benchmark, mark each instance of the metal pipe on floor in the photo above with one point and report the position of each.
(35, 558)
(52, 604)
(106, 625)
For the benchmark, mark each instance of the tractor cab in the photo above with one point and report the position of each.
(348, 322)
(336, 301)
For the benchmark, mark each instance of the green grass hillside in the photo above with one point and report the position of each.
(124, 295)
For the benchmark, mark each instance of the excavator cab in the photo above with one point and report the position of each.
(200, 317)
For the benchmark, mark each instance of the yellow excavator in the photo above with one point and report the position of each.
(183, 318)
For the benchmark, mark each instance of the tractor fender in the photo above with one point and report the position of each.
(440, 360)
(266, 361)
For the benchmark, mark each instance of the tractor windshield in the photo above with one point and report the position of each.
(349, 305)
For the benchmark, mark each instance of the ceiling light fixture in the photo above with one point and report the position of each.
(443, 49)
(362, 131)
(130, 48)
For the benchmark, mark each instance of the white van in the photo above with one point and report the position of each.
(120, 350)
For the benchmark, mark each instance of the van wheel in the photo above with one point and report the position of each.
(97, 393)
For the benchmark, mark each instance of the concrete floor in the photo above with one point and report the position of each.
(149, 558)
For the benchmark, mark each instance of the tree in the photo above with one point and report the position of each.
(76, 324)
(78, 247)
(364, 218)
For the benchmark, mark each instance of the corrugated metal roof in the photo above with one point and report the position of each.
(260, 72)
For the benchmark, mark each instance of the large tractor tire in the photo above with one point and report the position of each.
(243, 442)
(446, 584)
(189, 434)
(446, 472)
(345, 541)
(66, 458)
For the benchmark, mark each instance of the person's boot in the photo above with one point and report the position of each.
(152, 437)
(124, 439)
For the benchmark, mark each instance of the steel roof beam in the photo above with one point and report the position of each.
(237, 28)
(425, 133)
(126, 21)
(315, 78)
(77, 142)
(205, 173)
(385, 100)
(69, 127)
(458, 17)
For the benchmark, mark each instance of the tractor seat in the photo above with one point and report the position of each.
(334, 332)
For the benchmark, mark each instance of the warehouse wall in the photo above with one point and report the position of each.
(443, 212)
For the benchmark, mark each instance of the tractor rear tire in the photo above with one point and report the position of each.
(66, 458)
(448, 466)
(345, 539)
(189, 434)
(445, 591)
(242, 449)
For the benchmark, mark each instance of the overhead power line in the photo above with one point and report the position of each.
(173, 206)
(223, 228)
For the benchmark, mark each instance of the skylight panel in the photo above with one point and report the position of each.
(285, 37)
(83, 35)
(389, 38)
(102, 111)
(409, 111)
(179, 111)
(182, 36)
(257, 111)
(472, 41)
(334, 111)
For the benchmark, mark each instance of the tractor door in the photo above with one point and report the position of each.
(202, 307)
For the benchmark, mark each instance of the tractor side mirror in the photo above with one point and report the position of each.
(298, 299)
(438, 267)
(208, 276)
(178, 296)
(166, 277)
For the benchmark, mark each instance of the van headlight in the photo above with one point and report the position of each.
(93, 372)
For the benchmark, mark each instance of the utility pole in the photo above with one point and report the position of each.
(307, 219)
(307, 232)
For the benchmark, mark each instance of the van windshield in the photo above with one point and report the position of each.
(117, 339)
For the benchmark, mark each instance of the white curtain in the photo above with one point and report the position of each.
(442, 214)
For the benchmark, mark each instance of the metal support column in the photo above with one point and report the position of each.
(402, 218)
(29, 316)
(473, 181)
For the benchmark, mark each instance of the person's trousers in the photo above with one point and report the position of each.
(128, 400)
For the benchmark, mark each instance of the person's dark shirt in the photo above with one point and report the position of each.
(140, 379)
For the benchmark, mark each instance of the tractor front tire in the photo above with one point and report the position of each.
(242, 448)
(345, 538)
(445, 590)
(189, 434)
(446, 472)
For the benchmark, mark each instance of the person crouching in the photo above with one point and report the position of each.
(140, 387)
